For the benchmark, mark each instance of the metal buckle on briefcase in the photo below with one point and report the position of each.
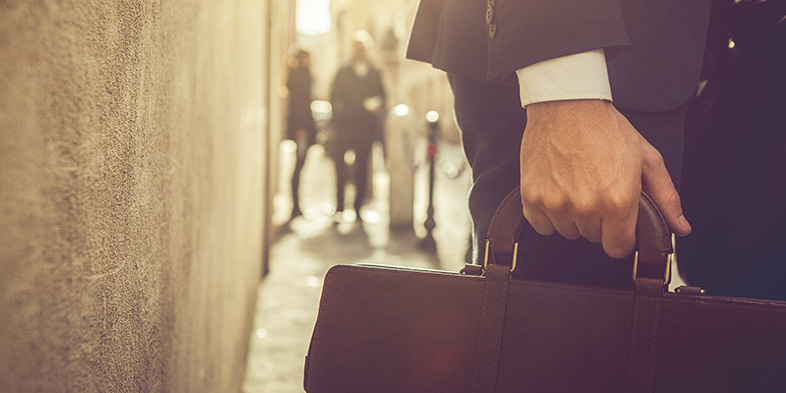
(513, 261)
(666, 275)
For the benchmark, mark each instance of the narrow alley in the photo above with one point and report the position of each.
(308, 246)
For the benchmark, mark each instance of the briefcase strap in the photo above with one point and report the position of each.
(650, 274)
(644, 341)
(492, 321)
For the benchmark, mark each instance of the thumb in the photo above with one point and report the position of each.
(656, 182)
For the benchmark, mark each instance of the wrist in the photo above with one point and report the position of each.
(550, 112)
(567, 106)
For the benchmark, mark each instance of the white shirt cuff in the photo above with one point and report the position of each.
(572, 77)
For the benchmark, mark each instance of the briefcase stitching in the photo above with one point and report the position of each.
(653, 338)
(480, 335)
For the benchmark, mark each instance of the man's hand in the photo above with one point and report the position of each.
(583, 167)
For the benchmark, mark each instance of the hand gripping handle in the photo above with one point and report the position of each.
(653, 238)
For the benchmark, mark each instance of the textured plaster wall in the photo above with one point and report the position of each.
(130, 193)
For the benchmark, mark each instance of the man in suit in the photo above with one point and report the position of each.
(604, 84)
(358, 99)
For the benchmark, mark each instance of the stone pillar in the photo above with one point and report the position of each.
(401, 138)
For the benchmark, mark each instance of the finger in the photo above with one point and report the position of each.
(590, 229)
(618, 235)
(565, 227)
(657, 183)
(539, 221)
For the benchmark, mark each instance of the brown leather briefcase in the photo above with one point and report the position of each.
(388, 329)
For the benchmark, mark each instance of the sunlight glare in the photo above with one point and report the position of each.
(313, 17)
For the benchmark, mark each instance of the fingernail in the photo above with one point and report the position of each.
(684, 222)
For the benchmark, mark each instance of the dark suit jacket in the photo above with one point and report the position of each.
(354, 124)
(654, 48)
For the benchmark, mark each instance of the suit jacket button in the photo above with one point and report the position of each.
(492, 30)
(492, 3)
(489, 15)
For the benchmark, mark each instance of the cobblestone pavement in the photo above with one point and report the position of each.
(308, 246)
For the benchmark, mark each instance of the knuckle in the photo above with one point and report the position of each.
(539, 223)
(531, 216)
(652, 156)
(585, 207)
(616, 203)
(554, 203)
(530, 196)
(674, 198)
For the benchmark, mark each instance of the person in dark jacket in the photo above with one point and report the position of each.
(358, 99)
(300, 122)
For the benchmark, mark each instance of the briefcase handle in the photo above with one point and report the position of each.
(653, 238)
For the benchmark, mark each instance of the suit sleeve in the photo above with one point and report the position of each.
(654, 48)
(491, 39)
(424, 30)
(530, 31)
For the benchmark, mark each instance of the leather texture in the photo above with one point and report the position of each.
(388, 329)
(647, 303)
(492, 322)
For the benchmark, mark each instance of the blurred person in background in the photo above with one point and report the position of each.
(358, 99)
(300, 123)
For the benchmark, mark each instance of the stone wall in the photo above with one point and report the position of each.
(131, 193)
